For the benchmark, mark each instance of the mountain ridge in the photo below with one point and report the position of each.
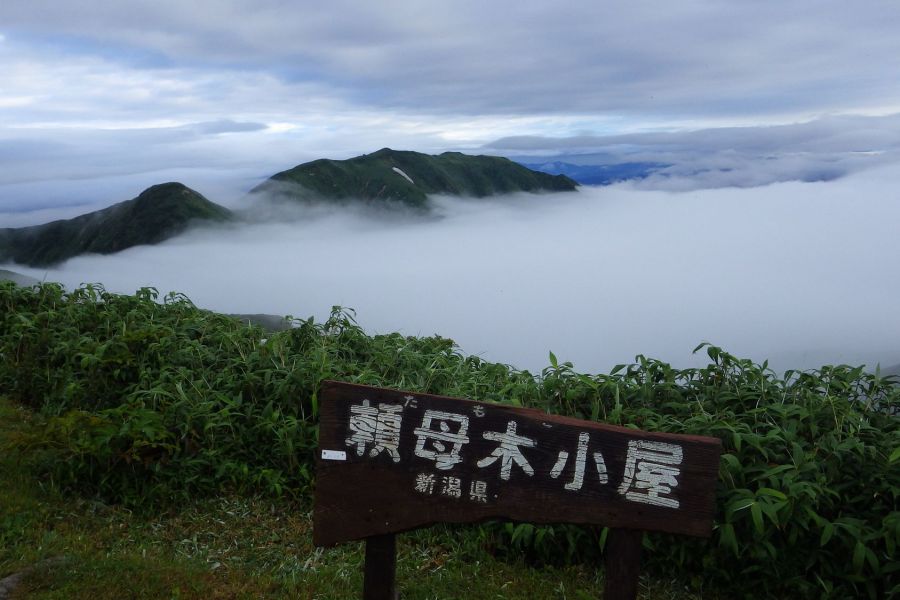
(383, 178)
(405, 177)
(156, 214)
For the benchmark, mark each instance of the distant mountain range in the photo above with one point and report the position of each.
(386, 177)
(160, 212)
(893, 371)
(603, 174)
(408, 178)
(17, 278)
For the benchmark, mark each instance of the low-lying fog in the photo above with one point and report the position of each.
(802, 274)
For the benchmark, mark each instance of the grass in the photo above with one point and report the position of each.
(156, 406)
(237, 547)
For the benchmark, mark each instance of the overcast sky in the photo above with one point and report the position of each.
(101, 99)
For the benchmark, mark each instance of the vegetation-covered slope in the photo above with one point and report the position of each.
(147, 403)
(159, 213)
(408, 177)
(17, 278)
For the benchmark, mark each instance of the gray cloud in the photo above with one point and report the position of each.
(692, 59)
(96, 167)
(822, 149)
(102, 99)
(76, 169)
(835, 134)
(794, 272)
(226, 126)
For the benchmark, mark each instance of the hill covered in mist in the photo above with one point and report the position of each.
(384, 178)
(408, 178)
(158, 213)
(17, 278)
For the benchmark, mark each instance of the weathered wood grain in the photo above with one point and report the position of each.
(380, 568)
(390, 466)
(623, 564)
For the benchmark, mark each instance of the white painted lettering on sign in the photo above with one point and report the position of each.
(441, 437)
(478, 491)
(376, 427)
(425, 483)
(580, 460)
(651, 472)
(451, 486)
(508, 451)
(601, 467)
(650, 475)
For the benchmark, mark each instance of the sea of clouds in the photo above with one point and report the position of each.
(51, 173)
(799, 273)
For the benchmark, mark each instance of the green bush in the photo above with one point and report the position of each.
(147, 403)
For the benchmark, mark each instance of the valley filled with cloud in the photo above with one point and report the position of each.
(797, 273)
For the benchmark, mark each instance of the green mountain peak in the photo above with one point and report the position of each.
(158, 213)
(405, 177)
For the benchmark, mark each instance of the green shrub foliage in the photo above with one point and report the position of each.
(148, 402)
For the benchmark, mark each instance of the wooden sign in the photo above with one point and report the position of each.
(391, 461)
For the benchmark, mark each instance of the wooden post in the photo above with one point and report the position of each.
(380, 568)
(623, 564)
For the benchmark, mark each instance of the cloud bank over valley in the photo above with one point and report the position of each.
(45, 179)
(819, 150)
(798, 273)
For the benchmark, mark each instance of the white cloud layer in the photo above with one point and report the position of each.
(799, 273)
(60, 173)
(819, 150)
(99, 100)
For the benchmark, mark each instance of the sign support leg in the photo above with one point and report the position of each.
(623, 564)
(380, 568)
